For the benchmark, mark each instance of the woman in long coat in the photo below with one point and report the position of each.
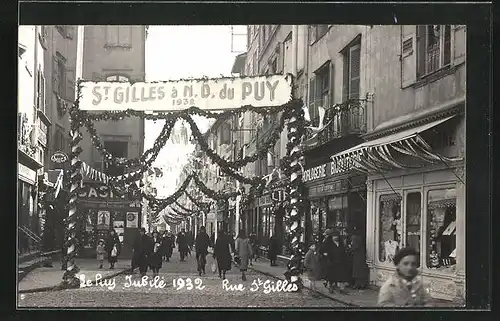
(244, 251)
(155, 258)
(359, 267)
(113, 242)
(222, 253)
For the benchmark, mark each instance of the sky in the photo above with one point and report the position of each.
(179, 52)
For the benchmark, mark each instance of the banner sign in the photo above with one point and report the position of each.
(208, 94)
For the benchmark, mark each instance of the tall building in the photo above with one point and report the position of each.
(389, 166)
(112, 53)
(32, 133)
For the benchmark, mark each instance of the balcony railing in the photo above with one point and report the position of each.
(348, 122)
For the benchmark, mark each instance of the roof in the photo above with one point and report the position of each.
(239, 63)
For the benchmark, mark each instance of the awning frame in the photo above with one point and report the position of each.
(376, 155)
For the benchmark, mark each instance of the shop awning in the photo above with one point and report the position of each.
(378, 154)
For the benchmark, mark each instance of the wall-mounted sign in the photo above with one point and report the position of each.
(210, 94)
(59, 157)
(97, 191)
(26, 173)
(132, 219)
(42, 132)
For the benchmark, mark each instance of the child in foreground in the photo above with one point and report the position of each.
(101, 249)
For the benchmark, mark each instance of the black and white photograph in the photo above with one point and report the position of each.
(274, 166)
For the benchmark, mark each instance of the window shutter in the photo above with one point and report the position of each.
(408, 56)
(332, 84)
(42, 92)
(125, 35)
(354, 71)
(458, 44)
(312, 96)
(70, 84)
(55, 74)
(112, 35)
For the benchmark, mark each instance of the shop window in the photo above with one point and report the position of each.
(338, 213)
(413, 219)
(119, 36)
(390, 226)
(315, 214)
(441, 227)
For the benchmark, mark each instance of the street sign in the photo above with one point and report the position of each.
(59, 157)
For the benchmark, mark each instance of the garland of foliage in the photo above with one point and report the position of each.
(201, 205)
(142, 160)
(183, 208)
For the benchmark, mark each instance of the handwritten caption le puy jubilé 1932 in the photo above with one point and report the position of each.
(223, 94)
(266, 286)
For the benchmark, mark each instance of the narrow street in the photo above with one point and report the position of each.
(208, 293)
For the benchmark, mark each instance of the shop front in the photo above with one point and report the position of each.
(336, 200)
(102, 211)
(416, 198)
(28, 220)
(271, 218)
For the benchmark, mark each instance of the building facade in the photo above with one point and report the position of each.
(112, 53)
(390, 165)
(32, 133)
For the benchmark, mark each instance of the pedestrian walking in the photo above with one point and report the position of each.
(244, 251)
(182, 243)
(113, 248)
(273, 250)
(359, 267)
(167, 245)
(155, 257)
(312, 267)
(201, 246)
(141, 251)
(404, 288)
(222, 253)
(255, 247)
(334, 261)
(101, 250)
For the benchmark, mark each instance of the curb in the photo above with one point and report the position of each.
(316, 291)
(59, 288)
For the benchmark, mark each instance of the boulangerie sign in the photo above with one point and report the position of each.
(208, 94)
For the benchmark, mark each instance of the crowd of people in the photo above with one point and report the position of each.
(338, 262)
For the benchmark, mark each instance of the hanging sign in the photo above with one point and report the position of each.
(208, 94)
(59, 157)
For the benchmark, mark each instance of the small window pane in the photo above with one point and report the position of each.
(413, 215)
(390, 226)
(441, 227)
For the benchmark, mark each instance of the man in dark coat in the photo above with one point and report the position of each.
(142, 248)
(201, 245)
(167, 245)
(359, 267)
(273, 250)
(182, 243)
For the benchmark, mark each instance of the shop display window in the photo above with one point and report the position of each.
(338, 213)
(413, 220)
(390, 226)
(441, 229)
(315, 214)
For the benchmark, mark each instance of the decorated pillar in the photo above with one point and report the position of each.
(295, 208)
(71, 244)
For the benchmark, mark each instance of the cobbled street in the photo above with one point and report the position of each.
(209, 294)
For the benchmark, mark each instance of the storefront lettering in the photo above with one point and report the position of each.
(26, 172)
(315, 173)
(97, 192)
